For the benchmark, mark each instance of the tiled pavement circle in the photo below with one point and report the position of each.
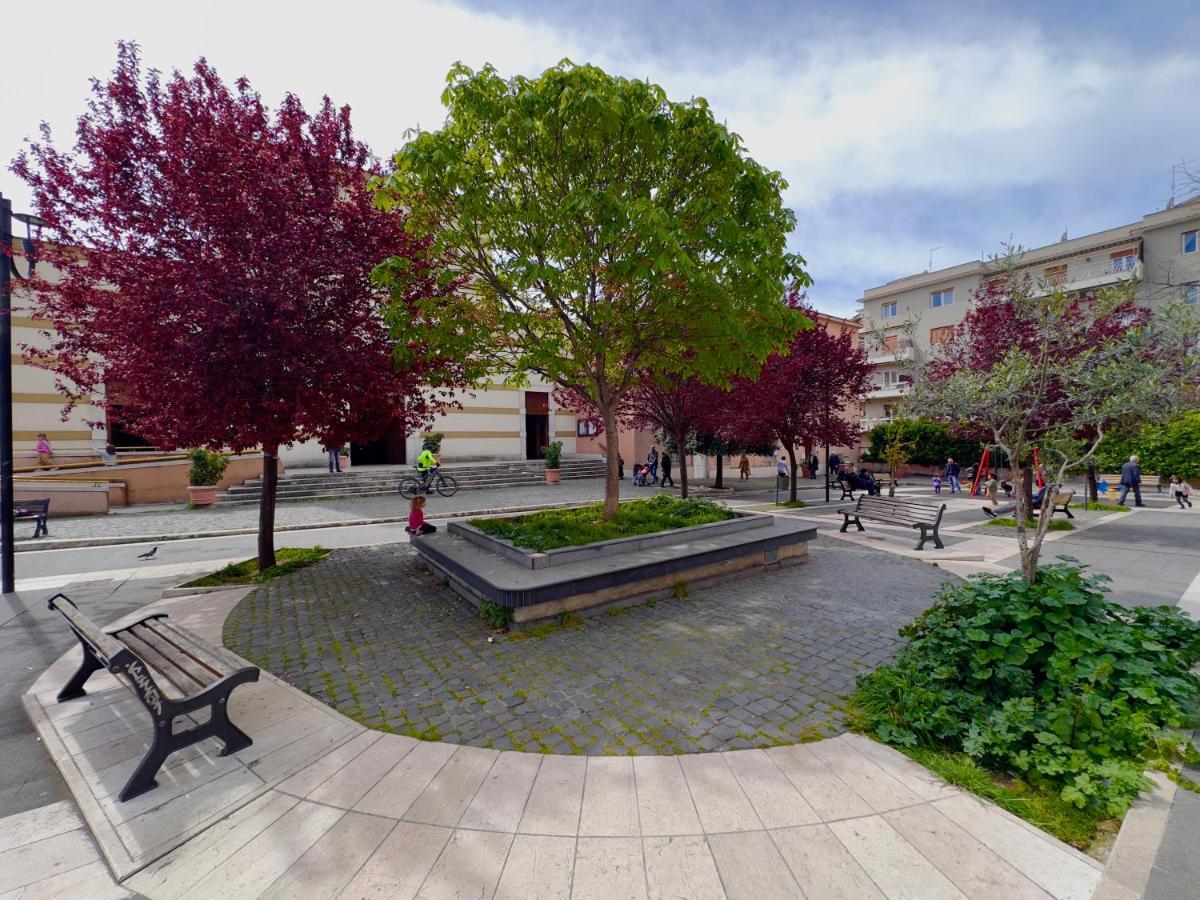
(757, 662)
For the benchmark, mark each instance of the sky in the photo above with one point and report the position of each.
(899, 126)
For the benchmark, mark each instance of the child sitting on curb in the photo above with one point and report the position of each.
(416, 518)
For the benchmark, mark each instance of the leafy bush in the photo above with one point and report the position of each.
(929, 443)
(207, 467)
(1051, 682)
(553, 528)
(1170, 449)
(553, 453)
(496, 615)
(433, 442)
(1055, 525)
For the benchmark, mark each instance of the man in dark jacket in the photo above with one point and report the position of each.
(952, 470)
(666, 470)
(812, 466)
(1131, 480)
(652, 462)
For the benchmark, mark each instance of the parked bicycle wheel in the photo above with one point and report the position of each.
(409, 487)
(446, 486)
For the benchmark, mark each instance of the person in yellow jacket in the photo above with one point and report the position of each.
(426, 463)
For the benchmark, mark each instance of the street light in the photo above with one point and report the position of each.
(8, 270)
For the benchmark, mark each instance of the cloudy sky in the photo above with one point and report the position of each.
(900, 126)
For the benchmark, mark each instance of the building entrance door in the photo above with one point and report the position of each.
(537, 423)
(388, 449)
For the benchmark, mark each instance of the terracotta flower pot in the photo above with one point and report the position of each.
(204, 495)
(552, 476)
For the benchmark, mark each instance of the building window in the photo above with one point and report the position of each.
(889, 343)
(941, 298)
(1191, 293)
(888, 411)
(938, 335)
(889, 310)
(586, 427)
(1189, 241)
(1056, 274)
(1124, 261)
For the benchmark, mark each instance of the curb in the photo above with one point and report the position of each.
(67, 543)
(1132, 858)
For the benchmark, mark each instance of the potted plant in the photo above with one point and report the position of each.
(553, 453)
(207, 468)
(433, 442)
(344, 459)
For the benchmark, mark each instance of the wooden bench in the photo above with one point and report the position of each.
(890, 511)
(172, 671)
(33, 509)
(847, 489)
(1062, 504)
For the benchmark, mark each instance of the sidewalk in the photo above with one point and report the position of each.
(384, 815)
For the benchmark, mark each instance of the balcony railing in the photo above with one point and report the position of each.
(894, 389)
(1095, 274)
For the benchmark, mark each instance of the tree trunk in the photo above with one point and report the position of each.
(792, 459)
(266, 508)
(808, 453)
(720, 482)
(612, 444)
(1029, 552)
(681, 463)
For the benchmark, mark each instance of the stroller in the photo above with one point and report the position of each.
(640, 474)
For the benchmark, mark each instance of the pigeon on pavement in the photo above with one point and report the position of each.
(149, 554)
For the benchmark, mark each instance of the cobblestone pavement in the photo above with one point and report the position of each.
(314, 512)
(756, 662)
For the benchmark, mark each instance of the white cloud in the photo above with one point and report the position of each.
(852, 115)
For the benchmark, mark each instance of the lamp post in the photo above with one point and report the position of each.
(8, 269)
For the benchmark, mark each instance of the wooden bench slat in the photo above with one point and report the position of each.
(184, 681)
(194, 669)
(104, 645)
(219, 660)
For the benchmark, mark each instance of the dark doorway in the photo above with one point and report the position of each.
(390, 449)
(537, 423)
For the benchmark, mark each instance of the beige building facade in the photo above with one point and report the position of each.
(1160, 254)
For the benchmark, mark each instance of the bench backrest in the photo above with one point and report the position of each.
(33, 506)
(906, 511)
(107, 649)
(1063, 498)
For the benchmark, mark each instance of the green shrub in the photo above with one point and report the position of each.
(1055, 525)
(553, 454)
(433, 442)
(207, 467)
(496, 615)
(1051, 682)
(932, 443)
(553, 528)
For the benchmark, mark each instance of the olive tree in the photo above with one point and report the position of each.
(1036, 365)
(606, 233)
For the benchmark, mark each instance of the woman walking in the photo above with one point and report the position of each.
(744, 468)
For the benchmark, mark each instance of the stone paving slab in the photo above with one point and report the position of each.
(757, 661)
(940, 842)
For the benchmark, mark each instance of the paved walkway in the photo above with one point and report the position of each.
(752, 662)
(385, 815)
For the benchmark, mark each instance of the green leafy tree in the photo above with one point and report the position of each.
(606, 232)
(1036, 365)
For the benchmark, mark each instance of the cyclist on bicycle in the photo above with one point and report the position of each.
(426, 464)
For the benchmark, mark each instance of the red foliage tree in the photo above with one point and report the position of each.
(798, 398)
(216, 262)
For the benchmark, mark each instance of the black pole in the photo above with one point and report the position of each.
(826, 451)
(8, 582)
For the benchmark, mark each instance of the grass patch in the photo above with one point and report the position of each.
(1079, 827)
(287, 560)
(554, 528)
(792, 504)
(1107, 507)
(1055, 525)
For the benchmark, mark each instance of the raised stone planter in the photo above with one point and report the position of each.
(541, 585)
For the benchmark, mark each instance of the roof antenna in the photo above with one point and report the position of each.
(1064, 236)
(931, 249)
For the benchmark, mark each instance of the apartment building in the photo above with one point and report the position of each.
(1160, 254)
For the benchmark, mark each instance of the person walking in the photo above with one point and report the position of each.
(990, 488)
(1131, 480)
(744, 468)
(782, 469)
(45, 453)
(620, 467)
(666, 470)
(835, 463)
(335, 458)
(952, 470)
(812, 467)
(1180, 490)
(652, 462)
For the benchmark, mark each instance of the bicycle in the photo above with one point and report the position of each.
(432, 479)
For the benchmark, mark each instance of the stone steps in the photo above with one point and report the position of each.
(380, 482)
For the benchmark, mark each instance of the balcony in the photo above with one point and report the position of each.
(1084, 276)
(882, 355)
(884, 391)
